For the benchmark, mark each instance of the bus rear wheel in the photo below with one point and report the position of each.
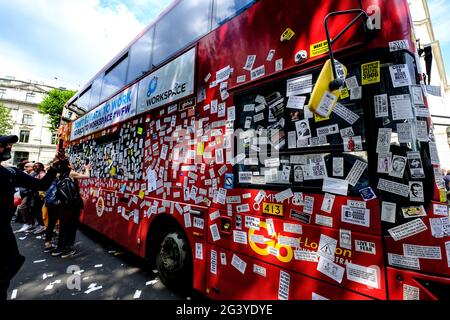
(174, 262)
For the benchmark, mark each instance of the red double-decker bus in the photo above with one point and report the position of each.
(269, 149)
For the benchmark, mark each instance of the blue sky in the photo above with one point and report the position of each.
(68, 39)
(73, 39)
(439, 11)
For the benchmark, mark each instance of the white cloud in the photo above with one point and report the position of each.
(439, 11)
(71, 40)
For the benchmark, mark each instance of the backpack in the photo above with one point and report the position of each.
(50, 196)
(67, 192)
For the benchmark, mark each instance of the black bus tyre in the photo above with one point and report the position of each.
(174, 262)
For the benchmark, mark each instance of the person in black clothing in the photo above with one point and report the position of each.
(10, 178)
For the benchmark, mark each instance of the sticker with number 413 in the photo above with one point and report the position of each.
(273, 209)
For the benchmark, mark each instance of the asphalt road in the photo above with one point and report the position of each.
(105, 272)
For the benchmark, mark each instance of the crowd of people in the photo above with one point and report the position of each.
(41, 198)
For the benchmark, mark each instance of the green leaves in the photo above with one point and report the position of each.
(53, 104)
(6, 123)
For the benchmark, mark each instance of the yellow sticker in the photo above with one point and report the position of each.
(319, 118)
(317, 49)
(345, 93)
(141, 194)
(370, 73)
(200, 148)
(273, 209)
(443, 195)
(140, 131)
(287, 35)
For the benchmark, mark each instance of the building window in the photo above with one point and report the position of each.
(2, 93)
(19, 156)
(30, 95)
(24, 136)
(54, 138)
(27, 119)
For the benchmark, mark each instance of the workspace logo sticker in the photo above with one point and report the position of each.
(100, 206)
(152, 86)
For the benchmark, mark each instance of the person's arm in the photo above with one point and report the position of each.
(26, 181)
(76, 175)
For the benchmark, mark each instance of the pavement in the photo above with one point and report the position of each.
(101, 271)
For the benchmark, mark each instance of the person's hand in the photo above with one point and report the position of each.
(58, 158)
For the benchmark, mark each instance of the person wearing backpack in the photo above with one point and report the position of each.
(10, 258)
(51, 203)
(69, 207)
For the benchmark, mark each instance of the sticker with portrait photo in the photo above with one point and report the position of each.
(416, 191)
(398, 166)
(352, 144)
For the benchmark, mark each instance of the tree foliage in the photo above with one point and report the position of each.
(6, 123)
(53, 104)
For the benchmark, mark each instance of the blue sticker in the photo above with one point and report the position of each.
(367, 194)
(124, 186)
(229, 181)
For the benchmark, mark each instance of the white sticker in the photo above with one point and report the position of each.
(214, 215)
(259, 270)
(283, 288)
(213, 265)
(284, 195)
(447, 251)
(356, 93)
(357, 216)
(356, 204)
(215, 232)
(326, 104)
(364, 275)
(258, 72)
(318, 297)
(250, 62)
(328, 130)
(416, 92)
(252, 222)
(223, 258)
(415, 165)
(260, 196)
(400, 75)
(393, 187)
(243, 208)
(240, 237)
(384, 140)
(355, 174)
(279, 65)
(296, 102)
(440, 209)
(289, 241)
(187, 220)
(199, 251)
(308, 204)
(336, 186)
(345, 239)
(270, 55)
(324, 221)
(397, 260)
(416, 191)
(398, 45)
(300, 85)
(404, 131)
(433, 153)
(270, 227)
(401, 107)
(338, 167)
(239, 264)
(327, 247)
(351, 83)
(423, 252)
(305, 255)
(407, 229)
(241, 79)
(327, 203)
(199, 223)
(381, 106)
(292, 228)
(223, 74)
(365, 247)
(330, 269)
(345, 113)
(422, 131)
(388, 210)
(303, 129)
(410, 292)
